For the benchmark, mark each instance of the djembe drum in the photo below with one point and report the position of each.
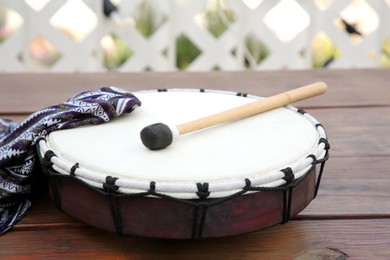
(229, 179)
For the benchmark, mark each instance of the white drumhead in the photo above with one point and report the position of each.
(248, 148)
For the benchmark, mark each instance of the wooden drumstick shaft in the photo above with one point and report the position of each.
(158, 136)
(254, 108)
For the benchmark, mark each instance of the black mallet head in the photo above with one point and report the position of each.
(156, 136)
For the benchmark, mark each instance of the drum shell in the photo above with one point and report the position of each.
(111, 200)
(180, 219)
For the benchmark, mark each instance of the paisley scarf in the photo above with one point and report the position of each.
(17, 142)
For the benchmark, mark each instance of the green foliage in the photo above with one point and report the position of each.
(147, 18)
(385, 56)
(256, 51)
(117, 53)
(217, 17)
(186, 52)
(324, 51)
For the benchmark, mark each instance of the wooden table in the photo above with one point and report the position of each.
(350, 216)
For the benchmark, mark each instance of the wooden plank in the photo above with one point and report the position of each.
(356, 132)
(355, 180)
(350, 188)
(353, 132)
(31, 92)
(44, 212)
(365, 238)
(348, 131)
(13, 117)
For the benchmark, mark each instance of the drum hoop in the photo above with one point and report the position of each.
(218, 188)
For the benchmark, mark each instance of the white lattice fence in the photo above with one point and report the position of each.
(250, 34)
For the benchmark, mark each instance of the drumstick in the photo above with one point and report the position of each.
(158, 136)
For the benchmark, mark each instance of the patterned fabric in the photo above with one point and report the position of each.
(17, 141)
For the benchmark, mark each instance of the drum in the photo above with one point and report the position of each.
(229, 179)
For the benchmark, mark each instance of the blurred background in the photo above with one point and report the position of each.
(192, 35)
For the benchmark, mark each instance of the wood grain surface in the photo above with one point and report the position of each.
(350, 218)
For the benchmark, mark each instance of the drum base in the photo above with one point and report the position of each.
(181, 219)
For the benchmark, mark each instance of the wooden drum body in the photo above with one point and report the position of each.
(226, 180)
